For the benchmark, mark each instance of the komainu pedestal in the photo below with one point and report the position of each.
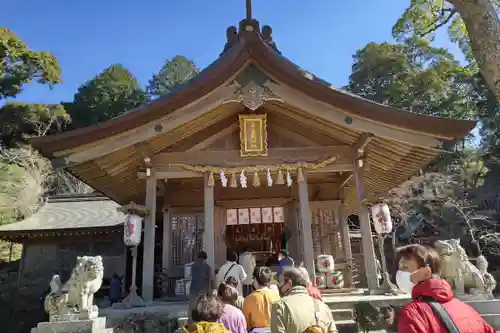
(95, 325)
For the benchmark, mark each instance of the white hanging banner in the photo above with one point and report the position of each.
(133, 228)
(381, 216)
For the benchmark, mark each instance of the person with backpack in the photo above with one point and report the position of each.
(433, 308)
(297, 311)
(231, 268)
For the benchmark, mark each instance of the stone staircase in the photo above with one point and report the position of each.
(343, 314)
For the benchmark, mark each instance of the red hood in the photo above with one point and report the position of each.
(436, 288)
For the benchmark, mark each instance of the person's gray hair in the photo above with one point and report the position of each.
(305, 274)
(295, 276)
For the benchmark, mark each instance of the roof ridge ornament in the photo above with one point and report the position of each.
(249, 25)
(252, 95)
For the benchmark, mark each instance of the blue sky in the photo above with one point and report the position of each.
(88, 36)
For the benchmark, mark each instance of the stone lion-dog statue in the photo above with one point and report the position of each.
(74, 299)
(464, 276)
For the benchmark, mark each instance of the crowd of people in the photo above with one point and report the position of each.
(247, 299)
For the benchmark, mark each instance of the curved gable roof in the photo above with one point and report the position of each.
(251, 49)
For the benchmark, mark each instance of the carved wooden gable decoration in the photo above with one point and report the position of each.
(253, 135)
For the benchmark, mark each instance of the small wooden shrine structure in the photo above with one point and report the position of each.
(251, 147)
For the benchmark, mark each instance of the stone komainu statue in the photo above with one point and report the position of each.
(461, 273)
(76, 296)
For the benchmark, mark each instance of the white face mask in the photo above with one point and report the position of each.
(403, 279)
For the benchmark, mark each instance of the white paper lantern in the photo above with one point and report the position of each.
(381, 218)
(132, 231)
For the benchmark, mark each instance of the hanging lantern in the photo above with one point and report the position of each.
(256, 180)
(223, 178)
(279, 178)
(243, 179)
(234, 184)
(211, 181)
(289, 180)
(381, 216)
(132, 231)
(269, 178)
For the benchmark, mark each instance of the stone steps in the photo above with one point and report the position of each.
(347, 326)
(342, 314)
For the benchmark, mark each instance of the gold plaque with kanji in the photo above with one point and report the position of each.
(253, 135)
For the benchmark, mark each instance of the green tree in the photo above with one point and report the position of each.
(413, 76)
(108, 95)
(20, 120)
(19, 65)
(173, 73)
(416, 77)
(474, 25)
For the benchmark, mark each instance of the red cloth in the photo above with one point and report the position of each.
(314, 292)
(418, 316)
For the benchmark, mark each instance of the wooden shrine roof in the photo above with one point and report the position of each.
(108, 155)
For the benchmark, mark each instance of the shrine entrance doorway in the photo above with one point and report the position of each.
(259, 230)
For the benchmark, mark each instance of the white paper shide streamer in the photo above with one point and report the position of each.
(289, 180)
(243, 179)
(223, 179)
(269, 178)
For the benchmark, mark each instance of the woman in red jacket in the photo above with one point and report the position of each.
(419, 275)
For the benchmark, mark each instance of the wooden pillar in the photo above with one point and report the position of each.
(166, 258)
(346, 246)
(208, 234)
(365, 226)
(306, 221)
(148, 259)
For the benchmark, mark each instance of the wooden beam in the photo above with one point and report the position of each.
(363, 141)
(294, 136)
(170, 173)
(231, 158)
(346, 180)
(337, 116)
(145, 132)
(209, 141)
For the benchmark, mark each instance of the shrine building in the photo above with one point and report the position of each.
(252, 148)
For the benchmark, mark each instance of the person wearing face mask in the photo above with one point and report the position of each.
(433, 308)
(257, 305)
(297, 311)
